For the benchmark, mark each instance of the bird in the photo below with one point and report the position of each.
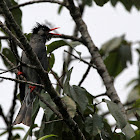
(40, 34)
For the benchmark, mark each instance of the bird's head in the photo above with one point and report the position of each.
(44, 31)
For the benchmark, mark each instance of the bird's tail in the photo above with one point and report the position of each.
(25, 115)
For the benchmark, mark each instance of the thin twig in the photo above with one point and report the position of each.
(81, 59)
(85, 74)
(36, 1)
(53, 121)
(69, 37)
(3, 116)
(12, 111)
(57, 78)
(4, 37)
(10, 69)
(103, 94)
(22, 81)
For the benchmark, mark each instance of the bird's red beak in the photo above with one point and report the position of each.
(54, 29)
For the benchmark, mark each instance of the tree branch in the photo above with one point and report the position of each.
(96, 57)
(45, 79)
(36, 1)
(81, 59)
(85, 74)
(69, 37)
(12, 110)
(3, 116)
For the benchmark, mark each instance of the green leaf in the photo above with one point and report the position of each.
(106, 132)
(118, 136)
(116, 113)
(94, 125)
(66, 83)
(136, 104)
(14, 128)
(111, 45)
(101, 2)
(79, 95)
(47, 110)
(87, 2)
(137, 136)
(55, 45)
(59, 43)
(128, 130)
(128, 4)
(71, 106)
(121, 121)
(134, 94)
(28, 36)
(60, 9)
(29, 132)
(116, 53)
(17, 13)
(136, 123)
(7, 52)
(51, 61)
(47, 136)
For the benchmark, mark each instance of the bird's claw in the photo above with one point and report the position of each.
(32, 88)
(19, 73)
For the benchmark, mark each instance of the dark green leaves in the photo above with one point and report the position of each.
(51, 61)
(17, 13)
(7, 52)
(116, 53)
(55, 45)
(121, 121)
(128, 4)
(116, 113)
(59, 43)
(101, 2)
(93, 125)
(71, 106)
(47, 136)
(78, 94)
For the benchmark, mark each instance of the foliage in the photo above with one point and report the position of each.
(81, 106)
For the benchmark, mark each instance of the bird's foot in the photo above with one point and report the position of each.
(19, 73)
(32, 88)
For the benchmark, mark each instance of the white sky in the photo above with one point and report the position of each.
(103, 23)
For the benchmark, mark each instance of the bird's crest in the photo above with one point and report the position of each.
(38, 27)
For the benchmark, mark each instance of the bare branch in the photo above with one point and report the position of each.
(81, 59)
(9, 69)
(22, 81)
(69, 37)
(12, 110)
(85, 74)
(3, 37)
(36, 1)
(3, 116)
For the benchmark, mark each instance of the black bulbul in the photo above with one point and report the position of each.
(40, 34)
